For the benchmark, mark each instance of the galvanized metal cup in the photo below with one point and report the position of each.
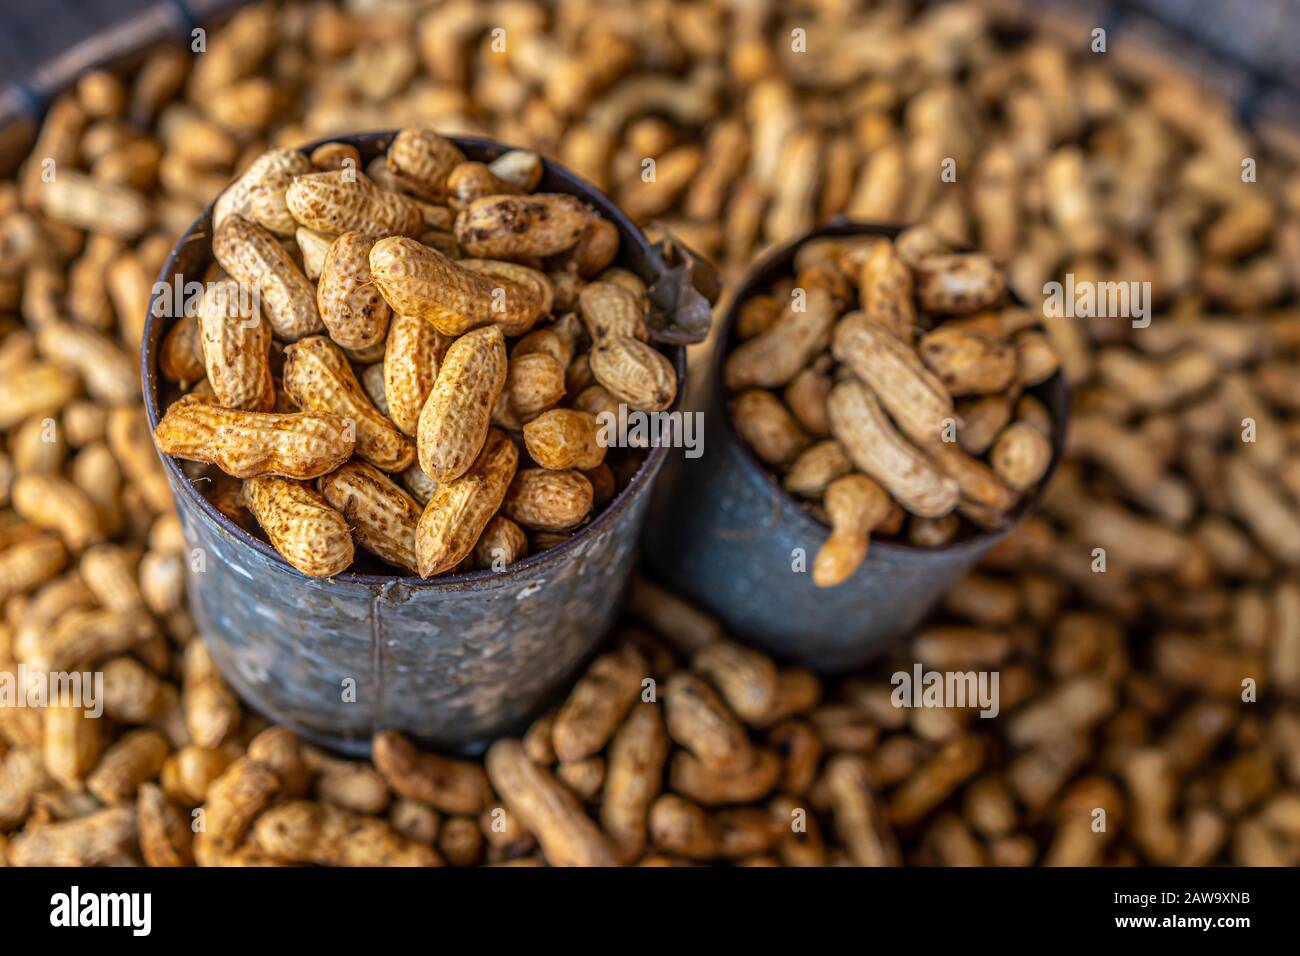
(723, 532)
(455, 661)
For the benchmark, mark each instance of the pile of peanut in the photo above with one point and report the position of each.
(881, 416)
(420, 274)
(1121, 689)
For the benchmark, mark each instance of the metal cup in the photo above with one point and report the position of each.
(454, 661)
(723, 532)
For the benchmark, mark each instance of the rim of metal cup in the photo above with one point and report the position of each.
(776, 263)
(370, 144)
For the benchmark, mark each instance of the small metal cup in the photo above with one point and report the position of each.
(455, 661)
(723, 532)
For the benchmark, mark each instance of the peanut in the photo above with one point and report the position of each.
(637, 754)
(635, 373)
(470, 181)
(914, 398)
(382, 516)
(355, 314)
(165, 836)
(319, 379)
(28, 563)
(885, 291)
(544, 500)
(519, 227)
(210, 708)
(55, 504)
(314, 247)
(300, 831)
(108, 373)
(969, 362)
(767, 427)
(597, 704)
(958, 284)
(521, 168)
(1021, 455)
(457, 414)
(95, 205)
(534, 383)
(815, 468)
(460, 509)
(421, 161)
(692, 779)
(501, 544)
(412, 356)
(348, 201)
(552, 814)
(609, 309)
(256, 260)
(451, 786)
(419, 281)
(308, 533)
(235, 348)
(873, 445)
(564, 438)
(699, 721)
(746, 679)
(133, 760)
(773, 357)
(251, 444)
(267, 179)
(181, 357)
(33, 389)
(856, 505)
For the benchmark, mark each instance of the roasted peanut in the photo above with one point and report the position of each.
(873, 445)
(768, 427)
(300, 831)
(534, 383)
(382, 516)
(452, 786)
(1021, 455)
(635, 372)
(460, 509)
(542, 499)
(699, 721)
(319, 379)
(519, 227)
(885, 291)
(968, 361)
(609, 309)
(501, 544)
(914, 398)
(952, 284)
(776, 355)
(355, 314)
(419, 281)
(265, 181)
(568, 837)
(308, 533)
(412, 357)
(565, 438)
(597, 704)
(634, 777)
(250, 444)
(856, 505)
(256, 260)
(234, 345)
(457, 414)
(421, 161)
(348, 201)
